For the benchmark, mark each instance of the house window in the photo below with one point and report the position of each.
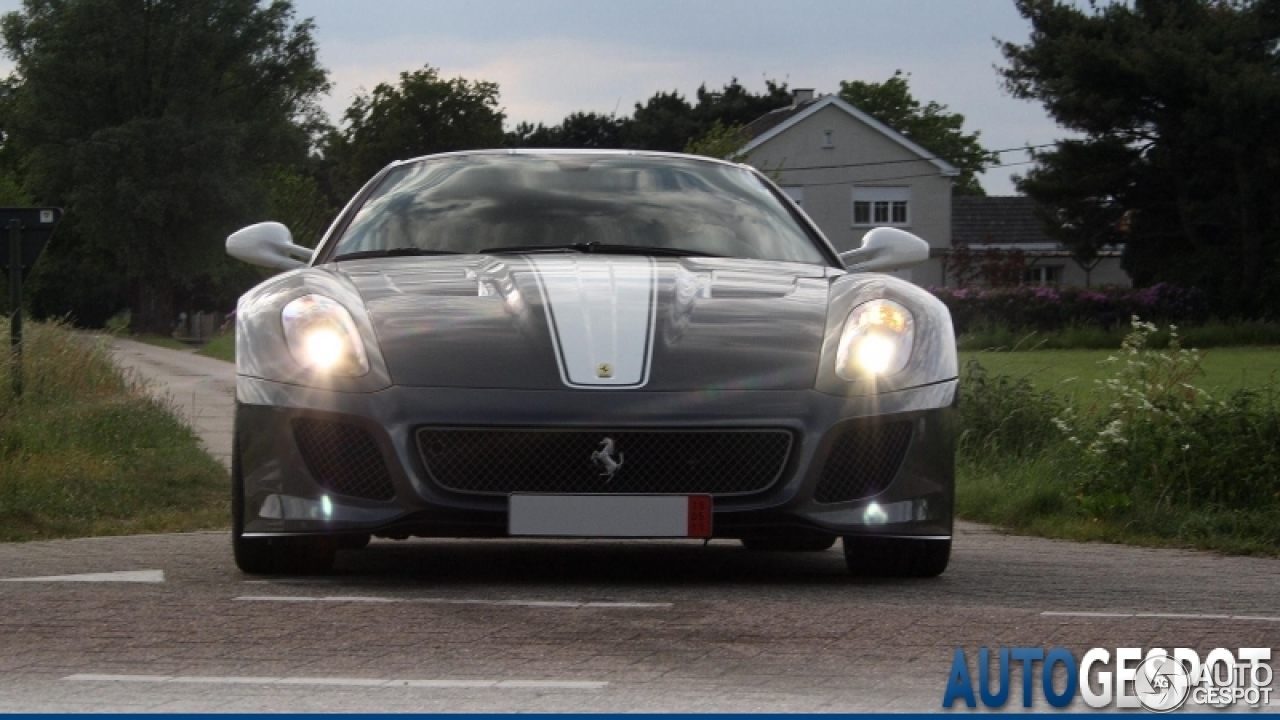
(795, 192)
(881, 206)
(828, 139)
(1042, 275)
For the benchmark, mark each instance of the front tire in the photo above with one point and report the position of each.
(273, 556)
(896, 557)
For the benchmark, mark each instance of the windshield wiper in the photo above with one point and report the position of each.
(599, 249)
(392, 252)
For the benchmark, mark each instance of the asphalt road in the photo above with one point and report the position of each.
(577, 626)
(166, 622)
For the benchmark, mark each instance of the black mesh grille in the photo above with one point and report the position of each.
(343, 458)
(500, 461)
(863, 461)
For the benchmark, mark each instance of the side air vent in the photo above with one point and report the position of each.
(863, 461)
(343, 458)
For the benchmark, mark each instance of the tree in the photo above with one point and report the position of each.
(664, 123)
(1175, 102)
(578, 130)
(928, 125)
(422, 115)
(721, 141)
(150, 121)
(297, 201)
(733, 104)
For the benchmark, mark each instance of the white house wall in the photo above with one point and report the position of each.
(828, 191)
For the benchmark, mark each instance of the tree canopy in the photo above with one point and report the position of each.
(151, 121)
(666, 122)
(1175, 103)
(422, 115)
(929, 125)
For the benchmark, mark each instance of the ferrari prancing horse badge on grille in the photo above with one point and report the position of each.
(603, 460)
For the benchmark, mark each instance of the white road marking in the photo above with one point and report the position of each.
(137, 576)
(1165, 616)
(210, 680)
(119, 678)
(452, 601)
(349, 682)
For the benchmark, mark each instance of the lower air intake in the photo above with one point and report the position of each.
(343, 458)
(863, 461)
(495, 461)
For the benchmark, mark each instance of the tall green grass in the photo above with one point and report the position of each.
(85, 450)
(1147, 456)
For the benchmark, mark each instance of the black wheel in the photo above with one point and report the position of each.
(794, 542)
(357, 541)
(896, 557)
(283, 556)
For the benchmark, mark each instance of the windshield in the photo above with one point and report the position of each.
(497, 203)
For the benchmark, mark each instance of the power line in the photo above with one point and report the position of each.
(902, 177)
(912, 160)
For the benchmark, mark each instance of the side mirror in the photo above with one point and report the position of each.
(884, 249)
(267, 244)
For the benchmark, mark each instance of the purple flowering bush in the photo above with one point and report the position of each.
(1049, 308)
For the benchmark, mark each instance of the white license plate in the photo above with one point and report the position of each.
(610, 515)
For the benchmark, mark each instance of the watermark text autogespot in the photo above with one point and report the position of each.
(1157, 680)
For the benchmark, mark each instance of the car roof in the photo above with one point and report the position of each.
(573, 151)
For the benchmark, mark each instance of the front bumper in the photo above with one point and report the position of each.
(282, 497)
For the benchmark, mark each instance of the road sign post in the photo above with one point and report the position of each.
(29, 231)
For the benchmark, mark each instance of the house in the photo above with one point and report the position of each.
(850, 173)
(984, 224)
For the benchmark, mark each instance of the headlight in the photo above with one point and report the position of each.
(877, 340)
(323, 337)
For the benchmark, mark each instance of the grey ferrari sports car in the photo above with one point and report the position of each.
(589, 344)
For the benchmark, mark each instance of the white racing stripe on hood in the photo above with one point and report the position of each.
(601, 313)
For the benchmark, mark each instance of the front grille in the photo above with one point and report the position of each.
(343, 458)
(863, 461)
(500, 461)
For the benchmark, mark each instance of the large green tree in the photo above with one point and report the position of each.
(667, 121)
(1175, 103)
(421, 115)
(578, 130)
(152, 122)
(929, 125)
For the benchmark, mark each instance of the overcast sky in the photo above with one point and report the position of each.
(553, 57)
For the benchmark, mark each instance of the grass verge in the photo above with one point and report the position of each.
(1075, 372)
(87, 452)
(1157, 447)
(221, 347)
(1037, 496)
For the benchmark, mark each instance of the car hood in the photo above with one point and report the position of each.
(551, 321)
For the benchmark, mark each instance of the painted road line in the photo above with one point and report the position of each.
(348, 682)
(136, 576)
(1162, 616)
(452, 601)
(221, 680)
(119, 678)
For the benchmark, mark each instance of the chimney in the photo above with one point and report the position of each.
(800, 95)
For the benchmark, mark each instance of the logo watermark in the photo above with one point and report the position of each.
(1158, 680)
